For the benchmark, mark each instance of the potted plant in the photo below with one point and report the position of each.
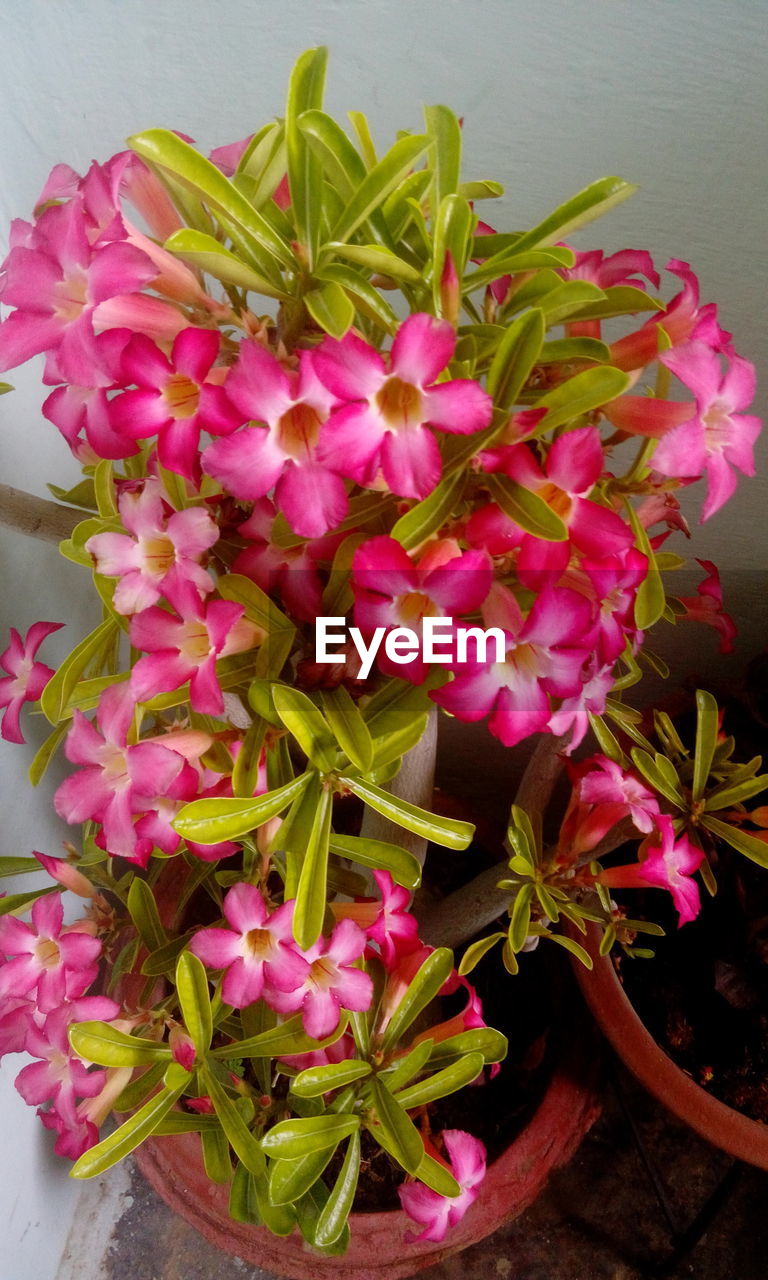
(346, 456)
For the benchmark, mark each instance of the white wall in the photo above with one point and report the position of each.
(672, 95)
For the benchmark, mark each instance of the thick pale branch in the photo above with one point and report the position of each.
(36, 517)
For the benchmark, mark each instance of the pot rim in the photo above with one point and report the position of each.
(723, 1126)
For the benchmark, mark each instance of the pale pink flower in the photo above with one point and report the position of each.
(257, 952)
(572, 716)
(44, 958)
(81, 413)
(668, 863)
(618, 793)
(158, 541)
(175, 397)
(185, 646)
(115, 773)
(331, 983)
(26, 678)
(436, 1213)
(60, 1077)
(389, 406)
(716, 437)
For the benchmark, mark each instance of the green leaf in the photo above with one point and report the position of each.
(311, 893)
(378, 183)
(451, 235)
(375, 258)
(195, 1001)
(725, 796)
(367, 299)
(476, 950)
(361, 128)
(208, 254)
(292, 1139)
(618, 300)
(349, 727)
(568, 299)
(303, 720)
(393, 1130)
(520, 917)
(295, 832)
(242, 1141)
(403, 867)
(245, 775)
(427, 516)
(526, 508)
(277, 1042)
(56, 693)
(163, 960)
(407, 1067)
(575, 948)
(341, 162)
(707, 727)
(486, 1040)
(305, 93)
(423, 988)
(591, 203)
(648, 767)
(144, 914)
(330, 307)
(580, 394)
(448, 832)
(435, 1176)
(167, 152)
(606, 741)
(45, 753)
(515, 356)
(132, 1132)
(485, 189)
(218, 1166)
(216, 819)
(290, 1179)
(315, 1081)
(568, 350)
(334, 1216)
(650, 600)
(243, 1200)
(18, 866)
(101, 1043)
(742, 841)
(443, 1082)
(444, 132)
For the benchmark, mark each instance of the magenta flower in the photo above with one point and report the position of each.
(572, 716)
(622, 268)
(707, 606)
(26, 678)
(159, 540)
(436, 1213)
(284, 454)
(175, 397)
(388, 407)
(391, 591)
(56, 281)
(717, 434)
(186, 646)
(60, 1077)
(81, 413)
(43, 958)
(545, 654)
(115, 774)
(386, 920)
(681, 320)
(257, 953)
(331, 982)
(669, 865)
(291, 572)
(618, 794)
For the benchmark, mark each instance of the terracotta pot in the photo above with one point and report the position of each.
(174, 1167)
(719, 1124)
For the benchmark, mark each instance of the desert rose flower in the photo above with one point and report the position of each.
(45, 959)
(60, 1077)
(81, 412)
(665, 863)
(707, 606)
(436, 1213)
(26, 678)
(257, 952)
(331, 984)
(386, 920)
(681, 320)
(388, 407)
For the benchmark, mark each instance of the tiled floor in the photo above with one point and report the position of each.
(598, 1219)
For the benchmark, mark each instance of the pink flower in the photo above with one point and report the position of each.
(545, 653)
(669, 865)
(115, 773)
(681, 320)
(160, 541)
(284, 455)
(175, 398)
(26, 678)
(436, 1213)
(81, 413)
(391, 591)
(60, 1077)
(573, 713)
(186, 646)
(707, 606)
(716, 435)
(331, 982)
(386, 920)
(387, 408)
(42, 958)
(291, 572)
(257, 953)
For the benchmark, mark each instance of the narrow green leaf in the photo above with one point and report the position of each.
(58, 689)
(361, 128)
(408, 1066)
(435, 1176)
(195, 1001)
(277, 1042)
(575, 948)
(18, 866)
(130, 1134)
(648, 767)
(526, 508)
(442, 1083)
(311, 893)
(444, 132)
(486, 1040)
(349, 727)
(305, 93)
(515, 356)
(650, 600)
(725, 796)
(101, 1043)
(242, 1141)
(403, 867)
(208, 254)
(742, 841)
(591, 203)
(520, 917)
(569, 350)
(144, 914)
(46, 752)
(295, 832)
(341, 162)
(289, 1180)
(580, 394)
(218, 1166)
(427, 516)
(568, 299)
(376, 258)
(618, 300)
(315, 1081)
(476, 950)
(448, 832)
(302, 719)
(243, 1201)
(423, 988)
(292, 1139)
(330, 307)
(393, 1130)
(452, 234)
(163, 960)
(209, 821)
(366, 298)
(707, 727)
(378, 183)
(334, 1216)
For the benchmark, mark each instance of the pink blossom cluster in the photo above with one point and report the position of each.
(46, 968)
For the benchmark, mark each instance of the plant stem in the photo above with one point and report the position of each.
(37, 517)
